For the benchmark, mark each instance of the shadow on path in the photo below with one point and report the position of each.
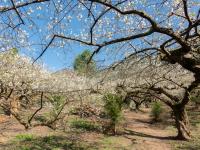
(139, 134)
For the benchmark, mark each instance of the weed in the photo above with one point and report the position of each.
(84, 125)
(113, 109)
(24, 137)
(156, 111)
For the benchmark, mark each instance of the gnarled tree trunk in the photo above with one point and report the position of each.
(137, 106)
(182, 122)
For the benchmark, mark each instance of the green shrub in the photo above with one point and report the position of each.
(24, 137)
(57, 102)
(81, 63)
(40, 118)
(113, 109)
(50, 142)
(156, 111)
(84, 125)
(25, 148)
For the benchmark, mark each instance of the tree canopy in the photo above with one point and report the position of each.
(82, 64)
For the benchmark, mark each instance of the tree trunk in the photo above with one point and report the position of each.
(182, 122)
(137, 106)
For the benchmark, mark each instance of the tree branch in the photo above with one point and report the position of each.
(17, 12)
(5, 9)
(185, 6)
(41, 106)
(161, 90)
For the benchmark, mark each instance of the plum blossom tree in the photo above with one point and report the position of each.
(18, 78)
(141, 81)
(23, 84)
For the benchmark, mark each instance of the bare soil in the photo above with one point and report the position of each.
(147, 136)
(139, 134)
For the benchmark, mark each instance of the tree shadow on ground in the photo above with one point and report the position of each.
(48, 143)
(143, 121)
(161, 124)
(189, 147)
(140, 134)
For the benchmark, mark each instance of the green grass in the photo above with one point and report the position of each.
(193, 144)
(84, 125)
(115, 143)
(24, 137)
(29, 142)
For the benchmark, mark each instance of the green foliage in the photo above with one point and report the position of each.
(51, 142)
(112, 143)
(81, 63)
(14, 51)
(57, 101)
(25, 148)
(24, 137)
(113, 108)
(44, 117)
(156, 111)
(84, 125)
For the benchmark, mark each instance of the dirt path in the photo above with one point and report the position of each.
(145, 135)
(139, 134)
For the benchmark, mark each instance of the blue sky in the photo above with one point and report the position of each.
(63, 59)
(54, 58)
(57, 58)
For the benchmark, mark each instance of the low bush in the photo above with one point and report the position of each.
(156, 111)
(84, 125)
(113, 109)
(24, 137)
(50, 142)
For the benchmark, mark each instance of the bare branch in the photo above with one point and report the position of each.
(5, 9)
(128, 12)
(161, 90)
(185, 6)
(41, 106)
(17, 12)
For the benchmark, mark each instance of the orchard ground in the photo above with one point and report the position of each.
(138, 132)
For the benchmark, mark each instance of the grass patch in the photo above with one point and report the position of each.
(193, 144)
(84, 125)
(194, 117)
(115, 143)
(27, 142)
(24, 137)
